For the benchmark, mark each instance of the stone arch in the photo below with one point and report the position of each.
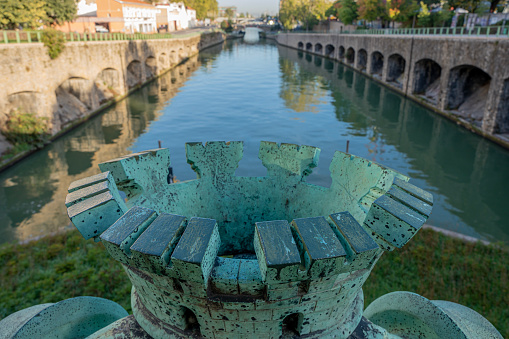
(309, 47)
(468, 89)
(329, 51)
(181, 54)
(25, 102)
(318, 48)
(350, 56)
(150, 67)
(134, 74)
(377, 63)
(173, 58)
(502, 122)
(292, 325)
(76, 97)
(108, 84)
(427, 78)
(163, 61)
(341, 53)
(189, 322)
(362, 59)
(396, 69)
(300, 45)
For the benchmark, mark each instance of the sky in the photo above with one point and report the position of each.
(255, 8)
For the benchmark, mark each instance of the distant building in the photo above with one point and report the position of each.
(130, 16)
(175, 16)
(191, 13)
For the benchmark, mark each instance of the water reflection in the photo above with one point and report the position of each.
(263, 92)
(32, 192)
(464, 172)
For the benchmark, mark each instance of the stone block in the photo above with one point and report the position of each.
(95, 215)
(152, 250)
(361, 248)
(239, 327)
(320, 248)
(411, 201)
(224, 314)
(415, 191)
(393, 221)
(250, 278)
(196, 252)
(251, 316)
(224, 276)
(123, 233)
(271, 305)
(277, 253)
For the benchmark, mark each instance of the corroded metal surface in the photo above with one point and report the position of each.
(227, 257)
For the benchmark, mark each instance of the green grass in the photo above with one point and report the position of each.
(432, 265)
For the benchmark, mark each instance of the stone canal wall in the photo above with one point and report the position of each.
(464, 78)
(86, 76)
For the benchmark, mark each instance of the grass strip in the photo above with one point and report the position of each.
(433, 265)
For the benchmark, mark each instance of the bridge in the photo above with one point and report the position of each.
(465, 78)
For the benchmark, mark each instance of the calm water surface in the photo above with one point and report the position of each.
(256, 92)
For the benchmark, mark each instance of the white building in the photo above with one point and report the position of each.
(139, 16)
(175, 16)
(87, 8)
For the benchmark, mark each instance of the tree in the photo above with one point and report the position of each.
(306, 12)
(401, 10)
(371, 10)
(344, 10)
(204, 8)
(25, 13)
(60, 11)
(229, 13)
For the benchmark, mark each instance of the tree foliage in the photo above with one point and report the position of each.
(305, 12)
(401, 10)
(60, 11)
(24, 13)
(345, 10)
(371, 10)
(229, 13)
(204, 8)
(34, 13)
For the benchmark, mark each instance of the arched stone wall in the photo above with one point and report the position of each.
(362, 59)
(396, 69)
(427, 74)
(350, 56)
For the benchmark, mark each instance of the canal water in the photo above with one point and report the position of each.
(261, 91)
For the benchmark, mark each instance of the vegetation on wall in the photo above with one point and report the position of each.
(25, 130)
(54, 40)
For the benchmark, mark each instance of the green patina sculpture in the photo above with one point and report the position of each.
(232, 257)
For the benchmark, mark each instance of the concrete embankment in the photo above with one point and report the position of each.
(86, 77)
(463, 78)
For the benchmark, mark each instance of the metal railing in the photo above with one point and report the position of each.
(8, 37)
(497, 31)
(491, 31)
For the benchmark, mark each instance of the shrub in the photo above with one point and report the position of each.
(26, 129)
(54, 41)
